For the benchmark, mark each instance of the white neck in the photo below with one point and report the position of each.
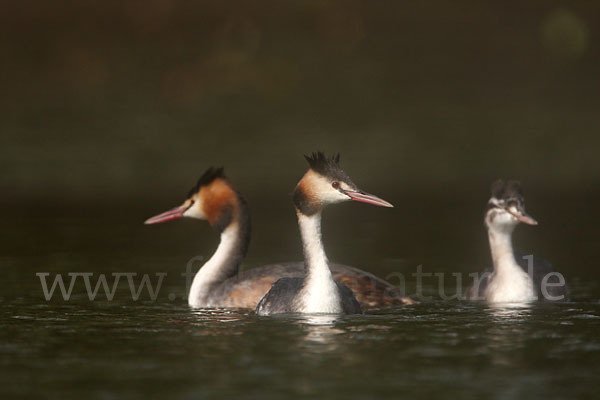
(509, 283)
(320, 293)
(215, 270)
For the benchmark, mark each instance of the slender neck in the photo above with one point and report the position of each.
(319, 293)
(223, 264)
(317, 265)
(509, 282)
(502, 250)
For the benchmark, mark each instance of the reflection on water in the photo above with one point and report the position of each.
(509, 312)
(321, 330)
(508, 331)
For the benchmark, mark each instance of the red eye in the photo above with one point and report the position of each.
(336, 185)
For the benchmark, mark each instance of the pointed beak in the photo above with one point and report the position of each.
(367, 198)
(174, 213)
(522, 216)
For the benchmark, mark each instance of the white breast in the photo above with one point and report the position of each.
(513, 285)
(322, 296)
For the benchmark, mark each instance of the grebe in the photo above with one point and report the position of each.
(213, 199)
(219, 284)
(325, 183)
(510, 280)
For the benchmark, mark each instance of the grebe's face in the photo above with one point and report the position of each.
(212, 200)
(324, 190)
(206, 202)
(325, 183)
(505, 214)
(191, 208)
(319, 191)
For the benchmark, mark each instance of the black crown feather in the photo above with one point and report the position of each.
(509, 192)
(208, 177)
(319, 161)
(328, 166)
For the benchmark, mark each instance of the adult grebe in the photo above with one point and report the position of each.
(218, 283)
(214, 199)
(325, 183)
(510, 280)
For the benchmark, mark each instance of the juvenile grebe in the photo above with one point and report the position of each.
(510, 280)
(219, 284)
(325, 183)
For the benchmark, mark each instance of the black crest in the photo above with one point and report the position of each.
(328, 166)
(209, 175)
(509, 192)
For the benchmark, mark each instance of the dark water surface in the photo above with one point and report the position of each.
(139, 349)
(146, 350)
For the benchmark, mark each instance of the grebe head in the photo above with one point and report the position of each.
(506, 207)
(212, 199)
(326, 183)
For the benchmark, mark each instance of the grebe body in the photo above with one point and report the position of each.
(318, 292)
(514, 278)
(220, 284)
(247, 288)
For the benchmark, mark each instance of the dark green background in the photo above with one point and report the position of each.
(120, 106)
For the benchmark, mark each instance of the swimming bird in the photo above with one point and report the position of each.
(510, 280)
(214, 199)
(325, 183)
(218, 283)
